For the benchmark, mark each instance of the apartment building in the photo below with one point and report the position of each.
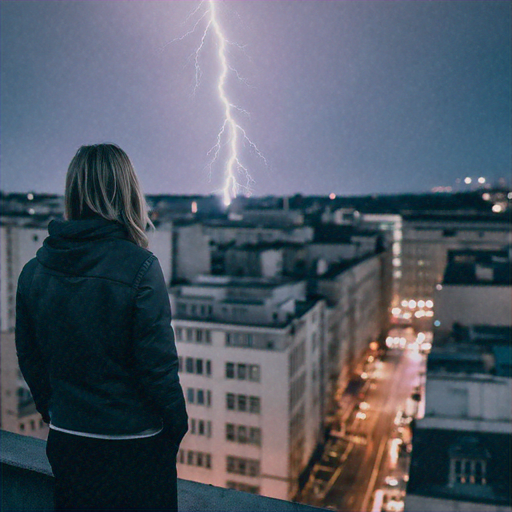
(358, 294)
(427, 238)
(20, 238)
(476, 290)
(462, 447)
(250, 354)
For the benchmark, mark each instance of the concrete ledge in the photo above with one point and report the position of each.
(27, 485)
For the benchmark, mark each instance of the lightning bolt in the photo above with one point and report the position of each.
(231, 134)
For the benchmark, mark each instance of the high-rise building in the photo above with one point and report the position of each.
(251, 354)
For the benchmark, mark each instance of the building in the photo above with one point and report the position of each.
(476, 290)
(357, 294)
(462, 447)
(428, 236)
(251, 368)
(20, 238)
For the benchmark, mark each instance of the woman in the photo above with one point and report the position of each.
(96, 347)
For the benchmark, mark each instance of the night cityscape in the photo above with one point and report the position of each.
(330, 188)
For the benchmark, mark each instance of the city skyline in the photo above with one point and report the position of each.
(350, 98)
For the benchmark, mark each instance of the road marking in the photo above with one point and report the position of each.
(336, 474)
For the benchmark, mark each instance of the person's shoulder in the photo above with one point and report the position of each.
(28, 270)
(129, 261)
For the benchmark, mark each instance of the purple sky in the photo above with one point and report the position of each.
(351, 97)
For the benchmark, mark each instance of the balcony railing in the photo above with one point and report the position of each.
(27, 484)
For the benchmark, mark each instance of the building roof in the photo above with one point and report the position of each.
(457, 359)
(430, 465)
(482, 268)
(339, 234)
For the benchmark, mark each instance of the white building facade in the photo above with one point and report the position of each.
(253, 389)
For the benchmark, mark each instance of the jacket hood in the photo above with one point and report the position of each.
(76, 246)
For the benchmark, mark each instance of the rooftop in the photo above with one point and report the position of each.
(430, 466)
(478, 268)
(27, 484)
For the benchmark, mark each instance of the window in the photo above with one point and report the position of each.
(193, 458)
(230, 432)
(230, 370)
(254, 372)
(239, 339)
(197, 366)
(192, 426)
(242, 434)
(242, 403)
(180, 363)
(255, 436)
(179, 333)
(254, 404)
(468, 462)
(199, 396)
(240, 466)
(182, 309)
(208, 335)
(190, 335)
(241, 371)
(199, 335)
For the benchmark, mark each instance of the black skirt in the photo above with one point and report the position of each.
(99, 474)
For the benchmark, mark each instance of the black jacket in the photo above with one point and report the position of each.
(93, 333)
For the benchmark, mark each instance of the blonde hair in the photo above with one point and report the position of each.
(101, 181)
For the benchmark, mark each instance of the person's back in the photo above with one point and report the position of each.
(97, 349)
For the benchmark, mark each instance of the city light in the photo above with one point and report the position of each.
(412, 304)
(481, 180)
(429, 304)
(467, 180)
(30, 197)
(486, 196)
(439, 286)
(421, 303)
(497, 208)
(396, 311)
(404, 303)
(332, 196)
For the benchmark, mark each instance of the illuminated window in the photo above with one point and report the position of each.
(468, 462)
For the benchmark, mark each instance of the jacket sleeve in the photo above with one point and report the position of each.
(154, 351)
(31, 361)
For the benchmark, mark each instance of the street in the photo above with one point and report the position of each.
(369, 452)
